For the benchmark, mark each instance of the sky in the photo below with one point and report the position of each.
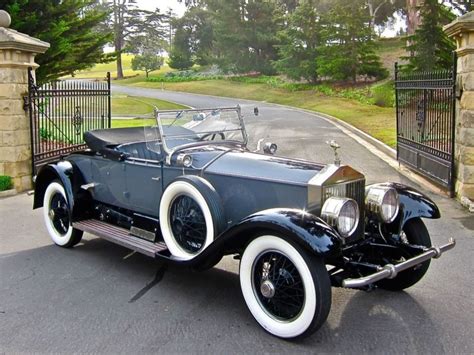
(163, 5)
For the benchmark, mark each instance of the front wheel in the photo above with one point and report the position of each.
(56, 217)
(414, 232)
(287, 291)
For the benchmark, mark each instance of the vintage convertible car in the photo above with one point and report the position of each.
(189, 191)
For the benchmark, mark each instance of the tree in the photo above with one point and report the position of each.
(147, 62)
(245, 35)
(430, 48)
(348, 50)
(127, 23)
(69, 26)
(299, 42)
(180, 56)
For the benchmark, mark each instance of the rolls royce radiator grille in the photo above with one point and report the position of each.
(350, 189)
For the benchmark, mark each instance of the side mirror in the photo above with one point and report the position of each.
(270, 148)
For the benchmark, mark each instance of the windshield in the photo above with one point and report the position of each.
(184, 127)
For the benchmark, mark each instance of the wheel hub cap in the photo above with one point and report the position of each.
(267, 289)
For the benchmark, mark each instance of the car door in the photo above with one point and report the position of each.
(143, 174)
(109, 181)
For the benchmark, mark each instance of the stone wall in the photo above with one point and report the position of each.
(462, 30)
(17, 53)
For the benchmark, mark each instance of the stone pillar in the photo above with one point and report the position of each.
(462, 30)
(17, 53)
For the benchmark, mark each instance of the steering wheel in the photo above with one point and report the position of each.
(212, 136)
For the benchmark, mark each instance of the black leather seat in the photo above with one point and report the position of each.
(141, 150)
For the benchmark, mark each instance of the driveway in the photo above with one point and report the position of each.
(97, 297)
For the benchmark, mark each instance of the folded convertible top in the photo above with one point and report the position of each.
(103, 139)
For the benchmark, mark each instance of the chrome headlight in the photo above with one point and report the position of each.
(383, 202)
(342, 213)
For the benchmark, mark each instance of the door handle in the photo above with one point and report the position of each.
(158, 178)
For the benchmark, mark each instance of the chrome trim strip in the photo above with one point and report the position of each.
(390, 271)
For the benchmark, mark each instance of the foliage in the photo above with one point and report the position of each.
(45, 134)
(349, 48)
(193, 40)
(131, 27)
(384, 94)
(147, 62)
(430, 48)
(69, 26)
(6, 182)
(180, 56)
(245, 35)
(183, 76)
(299, 40)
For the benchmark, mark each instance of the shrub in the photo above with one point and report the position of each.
(45, 134)
(383, 95)
(6, 182)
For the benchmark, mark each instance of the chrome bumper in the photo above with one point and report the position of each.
(390, 271)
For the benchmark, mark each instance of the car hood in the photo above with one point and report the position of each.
(263, 167)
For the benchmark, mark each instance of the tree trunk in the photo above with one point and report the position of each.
(119, 65)
(413, 16)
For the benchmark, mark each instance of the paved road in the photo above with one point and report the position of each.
(94, 298)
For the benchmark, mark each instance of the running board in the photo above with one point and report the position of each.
(120, 236)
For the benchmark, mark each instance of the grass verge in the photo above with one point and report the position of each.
(379, 122)
(124, 105)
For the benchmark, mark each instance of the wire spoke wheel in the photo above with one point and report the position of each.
(188, 223)
(278, 286)
(56, 216)
(287, 290)
(58, 213)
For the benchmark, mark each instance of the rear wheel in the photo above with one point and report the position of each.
(56, 217)
(414, 232)
(287, 291)
(190, 216)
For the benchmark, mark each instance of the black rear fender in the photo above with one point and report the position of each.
(304, 229)
(71, 179)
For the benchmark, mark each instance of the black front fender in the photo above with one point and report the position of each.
(413, 204)
(305, 229)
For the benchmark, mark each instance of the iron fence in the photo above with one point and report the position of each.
(61, 111)
(425, 109)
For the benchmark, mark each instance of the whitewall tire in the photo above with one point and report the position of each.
(287, 292)
(190, 216)
(56, 216)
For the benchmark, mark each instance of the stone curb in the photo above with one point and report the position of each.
(8, 193)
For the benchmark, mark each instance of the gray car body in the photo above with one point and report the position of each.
(246, 182)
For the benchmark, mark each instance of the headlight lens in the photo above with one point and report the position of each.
(383, 202)
(342, 213)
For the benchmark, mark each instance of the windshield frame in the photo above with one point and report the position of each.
(169, 151)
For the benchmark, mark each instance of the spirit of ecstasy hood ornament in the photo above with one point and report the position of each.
(333, 144)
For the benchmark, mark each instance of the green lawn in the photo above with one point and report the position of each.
(131, 105)
(378, 122)
(100, 70)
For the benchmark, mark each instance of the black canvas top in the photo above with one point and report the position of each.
(101, 139)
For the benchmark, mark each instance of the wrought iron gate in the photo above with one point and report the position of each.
(61, 111)
(425, 107)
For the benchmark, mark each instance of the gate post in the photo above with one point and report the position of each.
(462, 30)
(17, 53)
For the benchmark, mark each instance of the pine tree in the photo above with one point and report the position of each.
(245, 35)
(430, 48)
(69, 26)
(349, 48)
(299, 42)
